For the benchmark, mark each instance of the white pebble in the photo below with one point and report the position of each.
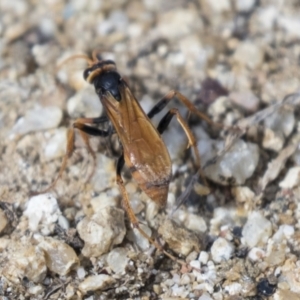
(63, 222)
(140, 240)
(291, 179)
(249, 54)
(244, 5)
(195, 264)
(195, 223)
(256, 254)
(40, 118)
(96, 282)
(84, 103)
(256, 230)
(60, 257)
(221, 250)
(81, 273)
(56, 145)
(3, 220)
(117, 260)
(205, 296)
(42, 212)
(233, 288)
(102, 231)
(203, 257)
(231, 167)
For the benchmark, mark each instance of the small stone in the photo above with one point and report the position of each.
(278, 125)
(178, 23)
(102, 231)
(273, 140)
(243, 194)
(234, 288)
(257, 230)
(40, 118)
(22, 259)
(60, 257)
(117, 260)
(56, 145)
(4, 242)
(42, 212)
(231, 168)
(138, 238)
(291, 179)
(245, 5)
(283, 232)
(179, 239)
(81, 273)
(103, 200)
(249, 54)
(267, 17)
(276, 253)
(3, 220)
(218, 6)
(35, 290)
(84, 103)
(256, 254)
(221, 250)
(195, 264)
(291, 25)
(195, 223)
(96, 282)
(205, 296)
(246, 100)
(203, 257)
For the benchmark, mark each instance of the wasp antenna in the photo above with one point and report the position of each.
(96, 55)
(75, 56)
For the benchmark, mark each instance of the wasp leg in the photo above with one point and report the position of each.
(175, 94)
(191, 138)
(133, 219)
(84, 131)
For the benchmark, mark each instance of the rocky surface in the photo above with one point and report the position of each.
(236, 61)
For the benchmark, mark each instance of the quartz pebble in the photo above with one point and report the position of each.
(3, 220)
(102, 231)
(117, 259)
(179, 239)
(246, 99)
(60, 257)
(249, 54)
(278, 125)
(231, 168)
(24, 260)
(84, 103)
(291, 179)
(56, 145)
(42, 212)
(40, 118)
(195, 223)
(138, 238)
(257, 230)
(96, 282)
(221, 250)
(256, 254)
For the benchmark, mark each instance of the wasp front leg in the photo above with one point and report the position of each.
(85, 131)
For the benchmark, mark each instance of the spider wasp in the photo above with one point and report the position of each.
(143, 149)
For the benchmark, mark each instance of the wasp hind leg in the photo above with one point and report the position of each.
(85, 131)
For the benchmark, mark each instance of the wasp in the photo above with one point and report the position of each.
(143, 149)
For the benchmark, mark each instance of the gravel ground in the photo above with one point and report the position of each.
(237, 61)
